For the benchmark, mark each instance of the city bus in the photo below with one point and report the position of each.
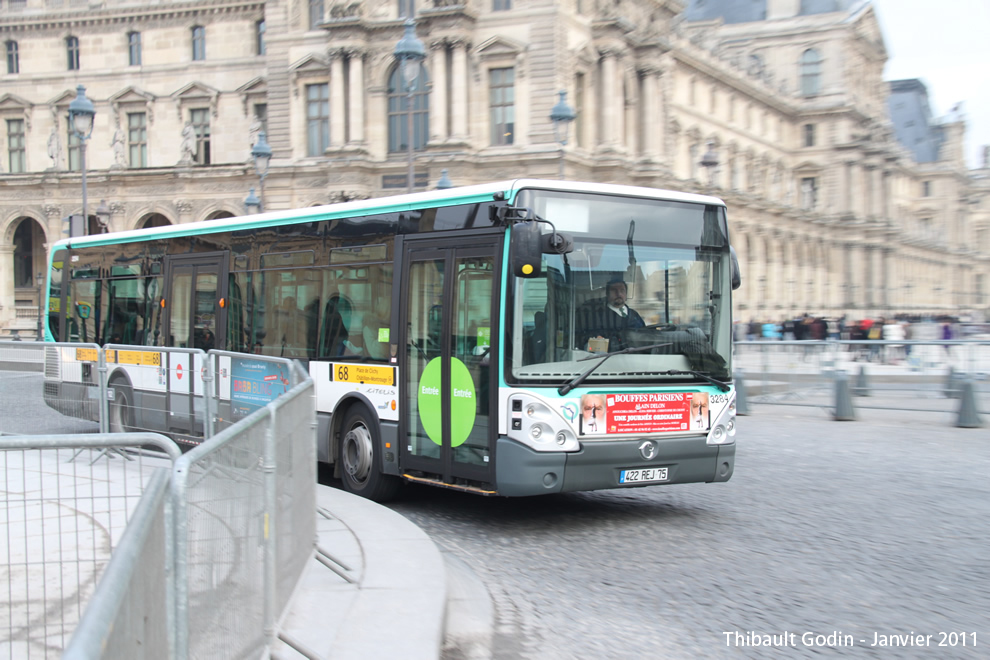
(455, 337)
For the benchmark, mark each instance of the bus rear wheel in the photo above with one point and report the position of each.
(359, 464)
(120, 411)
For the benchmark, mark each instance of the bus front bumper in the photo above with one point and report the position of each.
(520, 471)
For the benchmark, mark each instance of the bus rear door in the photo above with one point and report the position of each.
(195, 317)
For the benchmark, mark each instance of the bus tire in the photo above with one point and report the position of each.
(360, 467)
(120, 410)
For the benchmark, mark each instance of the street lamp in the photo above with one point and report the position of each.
(709, 161)
(41, 308)
(410, 52)
(262, 154)
(562, 115)
(103, 213)
(252, 203)
(444, 183)
(81, 114)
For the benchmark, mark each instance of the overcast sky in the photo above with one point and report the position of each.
(947, 45)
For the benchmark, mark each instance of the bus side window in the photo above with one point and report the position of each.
(376, 328)
(336, 314)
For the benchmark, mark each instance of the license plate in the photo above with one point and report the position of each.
(642, 475)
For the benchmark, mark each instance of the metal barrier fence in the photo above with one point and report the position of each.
(245, 527)
(185, 393)
(921, 376)
(237, 515)
(68, 502)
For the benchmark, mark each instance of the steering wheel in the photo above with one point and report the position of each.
(660, 326)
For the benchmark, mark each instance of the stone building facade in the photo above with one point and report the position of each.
(831, 214)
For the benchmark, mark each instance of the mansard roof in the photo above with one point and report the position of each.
(911, 116)
(748, 11)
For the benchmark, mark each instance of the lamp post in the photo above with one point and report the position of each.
(562, 115)
(262, 154)
(410, 52)
(252, 203)
(81, 114)
(444, 183)
(709, 161)
(103, 213)
(41, 307)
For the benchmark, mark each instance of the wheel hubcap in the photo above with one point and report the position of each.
(357, 453)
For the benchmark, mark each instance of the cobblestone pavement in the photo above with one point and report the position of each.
(874, 527)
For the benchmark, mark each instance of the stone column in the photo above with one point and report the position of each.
(610, 114)
(651, 111)
(459, 91)
(438, 95)
(849, 286)
(357, 92)
(869, 275)
(6, 285)
(337, 97)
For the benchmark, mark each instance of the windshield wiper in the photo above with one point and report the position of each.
(567, 387)
(690, 372)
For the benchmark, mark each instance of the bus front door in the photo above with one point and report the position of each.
(448, 350)
(195, 314)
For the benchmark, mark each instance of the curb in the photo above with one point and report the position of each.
(382, 594)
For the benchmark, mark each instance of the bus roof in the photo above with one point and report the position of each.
(395, 203)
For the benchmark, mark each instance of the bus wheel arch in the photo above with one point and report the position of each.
(359, 463)
(120, 410)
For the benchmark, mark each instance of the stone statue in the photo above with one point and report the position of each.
(253, 131)
(119, 150)
(187, 150)
(55, 148)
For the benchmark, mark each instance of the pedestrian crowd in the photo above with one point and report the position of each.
(817, 328)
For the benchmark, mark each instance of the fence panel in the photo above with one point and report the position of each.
(67, 503)
(30, 405)
(245, 508)
(295, 488)
(129, 615)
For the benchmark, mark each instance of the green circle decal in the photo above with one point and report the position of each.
(463, 407)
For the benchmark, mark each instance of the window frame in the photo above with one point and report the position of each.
(202, 130)
(316, 13)
(15, 150)
(502, 113)
(134, 48)
(811, 72)
(139, 158)
(72, 52)
(259, 37)
(397, 111)
(198, 35)
(317, 127)
(13, 57)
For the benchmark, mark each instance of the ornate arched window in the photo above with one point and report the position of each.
(811, 72)
(398, 103)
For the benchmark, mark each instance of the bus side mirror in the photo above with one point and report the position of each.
(525, 251)
(735, 275)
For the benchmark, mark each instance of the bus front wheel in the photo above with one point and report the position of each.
(359, 464)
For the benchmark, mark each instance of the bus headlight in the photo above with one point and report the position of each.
(724, 429)
(537, 425)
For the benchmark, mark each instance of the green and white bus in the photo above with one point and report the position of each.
(456, 337)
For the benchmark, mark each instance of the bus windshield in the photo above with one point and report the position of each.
(647, 277)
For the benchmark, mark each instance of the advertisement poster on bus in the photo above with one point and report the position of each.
(656, 412)
(255, 383)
